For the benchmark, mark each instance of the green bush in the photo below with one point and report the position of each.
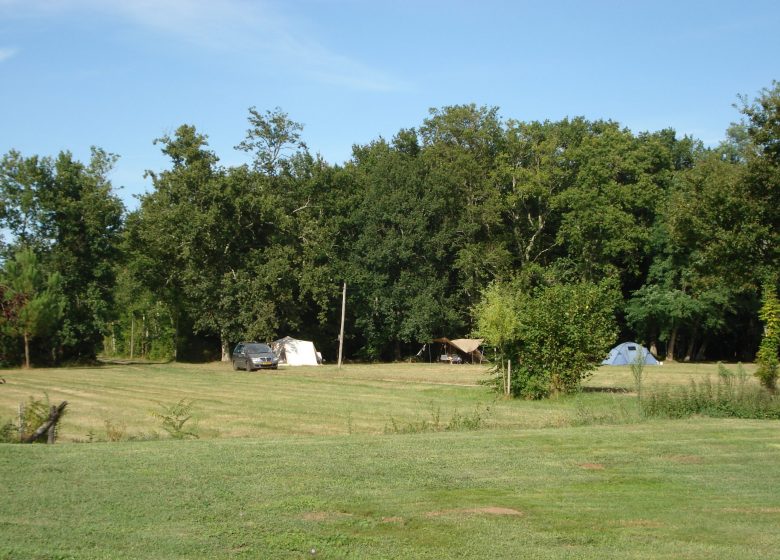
(767, 357)
(731, 397)
(555, 334)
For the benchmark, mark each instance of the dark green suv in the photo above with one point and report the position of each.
(254, 355)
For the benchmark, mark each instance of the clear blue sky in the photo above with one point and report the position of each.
(120, 73)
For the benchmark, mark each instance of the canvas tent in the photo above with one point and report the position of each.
(627, 353)
(296, 352)
(460, 349)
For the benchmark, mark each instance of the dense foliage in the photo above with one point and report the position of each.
(554, 335)
(418, 226)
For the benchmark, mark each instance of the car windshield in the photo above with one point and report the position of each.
(257, 348)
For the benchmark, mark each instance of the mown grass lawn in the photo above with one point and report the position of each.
(318, 473)
(310, 400)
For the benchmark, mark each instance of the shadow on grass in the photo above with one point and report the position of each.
(605, 390)
(128, 362)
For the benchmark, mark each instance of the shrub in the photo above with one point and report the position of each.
(768, 364)
(556, 335)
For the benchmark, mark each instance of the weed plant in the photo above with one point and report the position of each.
(457, 423)
(618, 413)
(174, 417)
(731, 397)
(9, 432)
(115, 431)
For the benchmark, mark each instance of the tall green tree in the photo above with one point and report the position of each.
(461, 145)
(68, 212)
(400, 284)
(35, 297)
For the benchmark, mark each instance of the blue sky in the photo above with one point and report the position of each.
(120, 73)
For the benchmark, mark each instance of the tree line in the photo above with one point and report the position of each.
(419, 226)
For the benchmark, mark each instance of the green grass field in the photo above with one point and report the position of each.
(298, 460)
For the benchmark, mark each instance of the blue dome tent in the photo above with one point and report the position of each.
(626, 354)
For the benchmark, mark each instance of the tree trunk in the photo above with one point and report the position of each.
(176, 339)
(702, 352)
(26, 350)
(670, 347)
(225, 348)
(654, 346)
(691, 344)
(397, 351)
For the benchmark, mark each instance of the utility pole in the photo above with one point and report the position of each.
(343, 312)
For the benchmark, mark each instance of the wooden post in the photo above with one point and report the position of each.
(343, 313)
(509, 378)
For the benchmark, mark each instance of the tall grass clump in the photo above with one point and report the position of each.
(458, 422)
(9, 433)
(638, 373)
(731, 397)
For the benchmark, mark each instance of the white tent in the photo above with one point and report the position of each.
(295, 352)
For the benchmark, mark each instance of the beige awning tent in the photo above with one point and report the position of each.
(467, 346)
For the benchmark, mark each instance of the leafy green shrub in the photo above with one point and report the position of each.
(174, 417)
(731, 397)
(555, 334)
(767, 357)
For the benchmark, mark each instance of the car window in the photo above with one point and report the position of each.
(257, 348)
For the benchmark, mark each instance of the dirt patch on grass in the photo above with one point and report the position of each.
(394, 519)
(324, 515)
(592, 466)
(488, 510)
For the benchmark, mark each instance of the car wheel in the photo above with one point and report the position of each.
(248, 366)
(235, 366)
(274, 367)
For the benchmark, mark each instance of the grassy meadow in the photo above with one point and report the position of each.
(306, 463)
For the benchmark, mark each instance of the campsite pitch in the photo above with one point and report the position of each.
(299, 463)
